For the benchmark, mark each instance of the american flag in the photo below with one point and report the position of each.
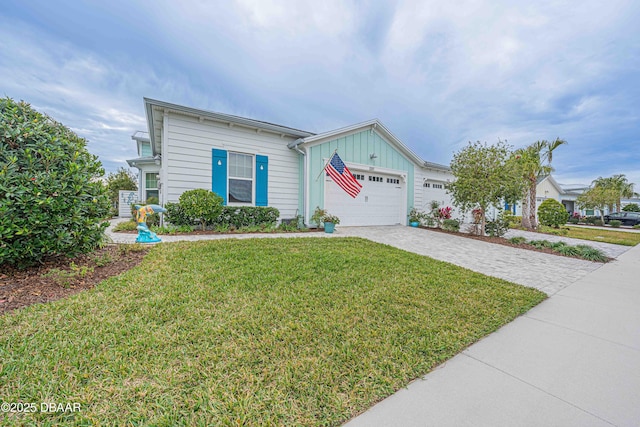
(341, 175)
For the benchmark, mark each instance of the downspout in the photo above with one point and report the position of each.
(295, 146)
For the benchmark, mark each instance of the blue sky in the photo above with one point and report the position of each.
(437, 74)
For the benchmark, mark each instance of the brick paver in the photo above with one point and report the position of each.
(548, 273)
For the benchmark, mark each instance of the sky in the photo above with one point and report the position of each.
(438, 74)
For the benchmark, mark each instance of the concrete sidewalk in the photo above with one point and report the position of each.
(574, 360)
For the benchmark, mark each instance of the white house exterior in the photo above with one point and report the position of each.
(254, 163)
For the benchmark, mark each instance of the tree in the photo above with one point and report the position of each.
(123, 179)
(597, 197)
(552, 213)
(52, 201)
(534, 162)
(485, 176)
(631, 207)
(619, 184)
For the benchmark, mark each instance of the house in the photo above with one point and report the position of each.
(255, 163)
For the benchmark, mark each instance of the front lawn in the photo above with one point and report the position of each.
(259, 332)
(606, 236)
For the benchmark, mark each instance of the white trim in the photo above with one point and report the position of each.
(163, 167)
(374, 125)
(373, 169)
(253, 178)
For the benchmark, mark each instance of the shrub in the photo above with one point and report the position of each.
(591, 254)
(598, 222)
(552, 213)
(126, 226)
(203, 205)
(518, 240)
(499, 226)
(568, 250)
(451, 225)
(632, 207)
(247, 216)
(176, 215)
(574, 220)
(636, 226)
(615, 223)
(52, 200)
(591, 219)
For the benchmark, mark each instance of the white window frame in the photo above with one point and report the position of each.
(252, 179)
(157, 188)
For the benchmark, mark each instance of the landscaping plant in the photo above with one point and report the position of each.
(202, 205)
(552, 213)
(52, 200)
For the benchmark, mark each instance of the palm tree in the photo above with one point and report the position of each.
(535, 162)
(620, 184)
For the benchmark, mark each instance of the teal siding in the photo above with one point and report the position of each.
(356, 148)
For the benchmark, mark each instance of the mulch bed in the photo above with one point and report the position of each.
(58, 278)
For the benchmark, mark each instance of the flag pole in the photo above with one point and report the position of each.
(325, 165)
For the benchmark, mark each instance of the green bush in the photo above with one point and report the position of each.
(636, 226)
(632, 207)
(598, 222)
(615, 223)
(451, 225)
(518, 240)
(247, 216)
(176, 215)
(591, 219)
(552, 213)
(499, 226)
(52, 200)
(573, 220)
(202, 205)
(229, 216)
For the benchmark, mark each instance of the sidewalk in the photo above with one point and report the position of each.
(574, 360)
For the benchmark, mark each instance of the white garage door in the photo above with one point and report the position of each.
(381, 201)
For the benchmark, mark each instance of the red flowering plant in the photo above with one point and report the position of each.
(445, 213)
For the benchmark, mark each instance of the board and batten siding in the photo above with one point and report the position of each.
(188, 158)
(356, 148)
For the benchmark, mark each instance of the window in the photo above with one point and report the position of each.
(375, 178)
(358, 176)
(145, 149)
(393, 181)
(151, 185)
(240, 178)
(427, 185)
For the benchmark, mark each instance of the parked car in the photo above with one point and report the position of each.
(626, 218)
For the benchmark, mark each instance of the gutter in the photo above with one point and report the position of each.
(294, 145)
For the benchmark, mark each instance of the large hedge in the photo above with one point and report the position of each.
(51, 199)
(552, 213)
(232, 216)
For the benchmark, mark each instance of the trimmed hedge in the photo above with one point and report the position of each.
(230, 216)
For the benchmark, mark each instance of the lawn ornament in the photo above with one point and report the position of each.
(144, 234)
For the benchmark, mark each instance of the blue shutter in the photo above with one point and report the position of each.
(219, 174)
(262, 180)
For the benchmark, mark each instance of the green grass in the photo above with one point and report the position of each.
(607, 236)
(258, 332)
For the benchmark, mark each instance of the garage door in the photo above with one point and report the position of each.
(381, 201)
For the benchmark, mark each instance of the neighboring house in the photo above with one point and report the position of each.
(255, 163)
